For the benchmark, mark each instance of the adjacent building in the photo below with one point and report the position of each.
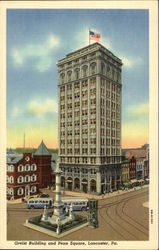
(22, 176)
(27, 173)
(42, 157)
(125, 171)
(89, 94)
(132, 169)
(139, 169)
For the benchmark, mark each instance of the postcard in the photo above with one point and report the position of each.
(79, 125)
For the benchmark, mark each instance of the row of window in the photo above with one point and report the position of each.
(20, 191)
(93, 69)
(21, 168)
(21, 179)
(104, 84)
(70, 77)
(77, 170)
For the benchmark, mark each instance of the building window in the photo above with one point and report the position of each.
(27, 178)
(62, 78)
(93, 68)
(27, 167)
(10, 168)
(11, 179)
(20, 191)
(20, 179)
(33, 177)
(76, 74)
(11, 191)
(85, 71)
(33, 167)
(33, 189)
(103, 68)
(20, 168)
(69, 75)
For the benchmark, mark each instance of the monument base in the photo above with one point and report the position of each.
(51, 227)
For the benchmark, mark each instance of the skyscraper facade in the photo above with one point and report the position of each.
(89, 101)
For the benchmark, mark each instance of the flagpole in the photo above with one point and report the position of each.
(89, 36)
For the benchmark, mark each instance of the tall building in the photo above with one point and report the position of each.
(89, 92)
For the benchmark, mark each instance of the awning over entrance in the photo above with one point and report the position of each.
(134, 181)
(140, 180)
(127, 183)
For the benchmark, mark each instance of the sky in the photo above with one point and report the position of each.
(37, 39)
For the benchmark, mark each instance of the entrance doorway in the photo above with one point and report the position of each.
(69, 184)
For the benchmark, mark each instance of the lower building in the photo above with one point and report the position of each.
(139, 169)
(22, 178)
(132, 168)
(27, 173)
(125, 171)
(96, 179)
(146, 169)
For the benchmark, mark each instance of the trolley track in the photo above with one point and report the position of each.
(115, 223)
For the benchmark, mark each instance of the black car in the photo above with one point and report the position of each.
(43, 195)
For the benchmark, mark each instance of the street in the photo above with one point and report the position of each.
(120, 217)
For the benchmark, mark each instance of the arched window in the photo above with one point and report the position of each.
(85, 70)
(20, 191)
(27, 167)
(69, 74)
(11, 179)
(20, 168)
(20, 179)
(93, 186)
(33, 177)
(93, 68)
(33, 189)
(76, 74)
(27, 178)
(11, 191)
(11, 169)
(62, 78)
(33, 167)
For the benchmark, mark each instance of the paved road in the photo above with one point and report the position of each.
(120, 218)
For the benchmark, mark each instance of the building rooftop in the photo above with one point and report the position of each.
(42, 150)
(14, 160)
(137, 153)
(88, 49)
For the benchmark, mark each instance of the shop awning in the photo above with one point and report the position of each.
(134, 181)
(127, 183)
(140, 180)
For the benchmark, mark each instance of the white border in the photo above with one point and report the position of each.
(152, 6)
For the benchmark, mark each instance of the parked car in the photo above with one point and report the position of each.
(43, 196)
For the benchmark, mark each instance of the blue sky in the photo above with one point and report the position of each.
(37, 39)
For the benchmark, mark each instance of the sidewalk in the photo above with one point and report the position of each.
(16, 201)
(85, 195)
(103, 196)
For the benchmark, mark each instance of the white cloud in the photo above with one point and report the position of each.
(38, 108)
(18, 59)
(41, 53)
(15, 112)
(131, 62)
